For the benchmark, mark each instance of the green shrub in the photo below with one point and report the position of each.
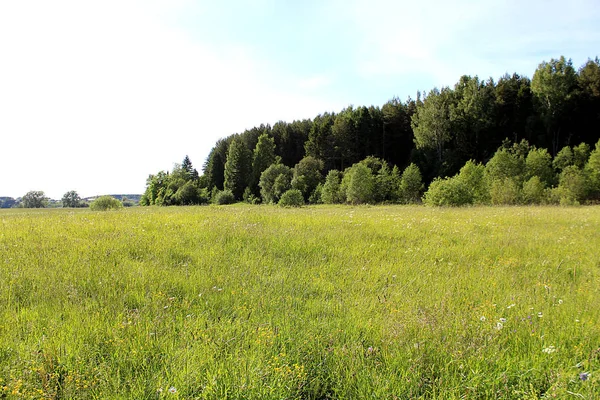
(447, 192)
(315, 196)
(472, 176)
(360, 184)
(505, 191)
(572, 187)
(224, 197)
(291, 198)
(104, 203)
(331, 192)
(411, 185)
(534, 191)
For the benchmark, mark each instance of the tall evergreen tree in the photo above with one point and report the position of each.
(237, 168)
(264, 155)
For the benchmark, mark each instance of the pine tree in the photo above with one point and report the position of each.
(264, 156)
(237, 168)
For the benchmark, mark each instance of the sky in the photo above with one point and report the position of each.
(97, 95)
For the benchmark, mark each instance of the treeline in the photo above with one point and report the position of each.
(71, 199)
(436, 134)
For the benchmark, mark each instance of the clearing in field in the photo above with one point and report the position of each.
(311, 303)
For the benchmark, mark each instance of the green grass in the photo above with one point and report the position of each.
(312, 303)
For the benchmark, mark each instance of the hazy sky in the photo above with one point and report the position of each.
(96, 95)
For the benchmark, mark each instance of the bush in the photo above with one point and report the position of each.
(572, 187)
(331, 192)
(360, 184)
(411, 184)
(315, 196)
(105, 203)
(447, 192)
(534, 191)
(224, 197)
(505, 191)
(472, 177)
(291, 198)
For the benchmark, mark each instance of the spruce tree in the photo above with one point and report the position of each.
(237, 168)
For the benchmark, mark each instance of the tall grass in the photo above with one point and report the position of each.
(311, 303)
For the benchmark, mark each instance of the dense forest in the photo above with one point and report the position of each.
(501, 134)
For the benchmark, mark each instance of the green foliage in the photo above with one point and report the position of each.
(447, 192)
(274, 181)
(411, 185)
(505, 191)
(307, 175)
(315, 197)
(563, 158)
(534, 191)
(505, 164)
(592, 169)
(539, 163)
(264, 156)
(71, 199)
(249, 197)
(360, 184)
(238, 168)
(224, 197)
(431, 122)
(332, 193)
(214, 168)
(553, 85)
(291, 198)
(572, 187)
(472, 177)
(34, 199)
(581, 153)
(105, 203)
(188, 194)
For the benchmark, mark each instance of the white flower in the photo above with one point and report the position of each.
(549, 350)
(540, 315)
(482, 318)
(503, 320)
(172, 389)
(499, 325)
(560, 301)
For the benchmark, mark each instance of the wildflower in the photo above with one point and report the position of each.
(560, 301)
(584, 376)
(370, 350)
(482, 318)
(503, 320)
(159, 390)
(172, 389)
(549, 350)
(499, 325)
(540, 315)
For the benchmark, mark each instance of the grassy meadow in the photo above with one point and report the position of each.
(324, 302)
